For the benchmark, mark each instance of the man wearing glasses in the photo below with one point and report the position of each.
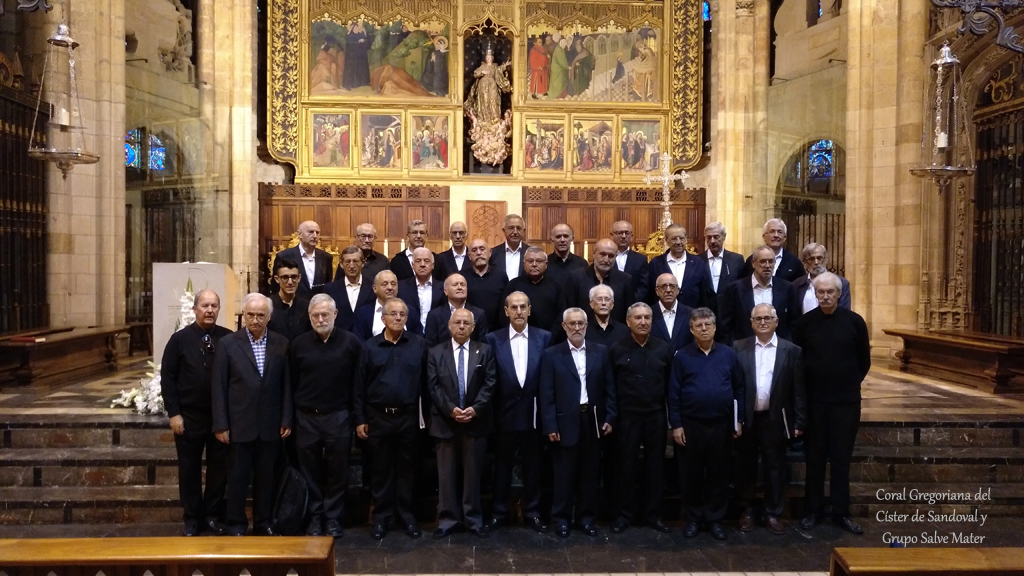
(760, 288)
(456, 259)
(185, 374)
(291, 311)
(373, 261)
(628, 260)
(815, 259)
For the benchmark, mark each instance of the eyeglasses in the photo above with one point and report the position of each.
(288, 278)
(364, 236)
(762, 319)
(831, 292)
(396, 314)
(602, 299)
(208, 346)
(666, 287)
(255, 316)
(320, 315)
(575, 324)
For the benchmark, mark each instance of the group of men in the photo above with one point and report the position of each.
(548, 358)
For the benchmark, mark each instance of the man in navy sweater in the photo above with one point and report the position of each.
(706, 403)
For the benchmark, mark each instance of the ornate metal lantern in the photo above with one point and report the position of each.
(64, 143)
(946, 151)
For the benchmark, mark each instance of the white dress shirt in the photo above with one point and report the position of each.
(465, 363)
(715, 264)
(678, 267)
(353, 291)
(579, 357)
(764, 358)
(810, 300)
(309, 263)
(459, 258)
(426, 295)
(669, 315)
(378, 319)
(761, 295)
(519, 342)
(408, 254)
(620, 260)
(778, 260)
(512, 260)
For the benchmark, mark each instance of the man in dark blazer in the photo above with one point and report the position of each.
(786, 266)
(547, 299)
(350, 288)
(415, 237)
(455, 291)
(455, 260)
(562, 262)
(252, 412)
(185, 374)
(692, 275)
(741, 296)
(291, 311)
(423, 292)
(373, 261)
(486, 283)
(315, 265)
(578, 408)
(602, 271)
(776, 406)
(461, 376)
(628, 260)
(508, 255)
(815, 259)
(670, 318)
(367, 321)
(517, 350)
(725, 266)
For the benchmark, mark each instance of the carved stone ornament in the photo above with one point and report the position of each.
(32, 6)
(687, 82)
(283, 115)
(744, 7)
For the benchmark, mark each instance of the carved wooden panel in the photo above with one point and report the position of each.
(484, 220)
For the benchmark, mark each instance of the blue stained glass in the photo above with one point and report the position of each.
(707, 11)
(131, 149)
(157, 153)
(820, 160)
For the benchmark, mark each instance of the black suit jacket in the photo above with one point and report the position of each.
(732, 265)
(362, 322)
(436, 330)
(371, 266)
(681, 335)
(578, 287)
(185, 374)
(446, 262)
(637, 267)
(251, 406)
(788, 394)
(735, 304)
(789, 269)
(515, 407)
(696, 290)
(346, 314)
(322, 273)
(408, 293)
(560, 391)
(803, 284)
(443, 384)
(498, 256)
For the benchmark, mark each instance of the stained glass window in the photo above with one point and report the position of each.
(707, 11)
(132, 156)
(157, 153)
(820, 160)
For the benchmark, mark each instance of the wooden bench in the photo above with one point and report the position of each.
(981, 361)
(927, 561)
(176, 556)
(65, 355)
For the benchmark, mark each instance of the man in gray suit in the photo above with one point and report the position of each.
(776, 410)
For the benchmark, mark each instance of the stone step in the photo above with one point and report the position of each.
(94, 466)
(74, 430)
(955, 434)
(89, 505)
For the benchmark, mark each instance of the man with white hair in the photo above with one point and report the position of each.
(604, 330)
(602, 271)
(508, 256)
(837, 357)
(724, 265)
(787, 266)
(815, 259)
(252, 413)
(316, 265)
(373, 261)
(423, 292)
(415, 237)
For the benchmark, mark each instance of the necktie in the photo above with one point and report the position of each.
(461, 375)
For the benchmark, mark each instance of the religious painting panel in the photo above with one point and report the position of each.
(380, 141)
(544, 144)
(640, 145)
(330, 138)
(593, 145)
(429, 140)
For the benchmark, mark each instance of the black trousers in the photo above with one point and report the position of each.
(577, 470)
(527, 443)
(322, 444)
(704, 468)
(393, 441)
(200, 505)
(465, 454)
(255, 461)
(650, 431)
(761, 439)
(831, 435)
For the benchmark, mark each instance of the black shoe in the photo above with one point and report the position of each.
(718, 531)
(314, 528)
(847, 523)
(589, 529)
(235, 530)
(268, 531)
(191, 528)
(480, 532)
(413, 531)
(620, 525)
(213, 528)
(442, 533)
(378, 532)
(537, 524)
(660, 526)
(810, 521)
(562, 530)
(691, 529)
(495, 523)
(333, 529)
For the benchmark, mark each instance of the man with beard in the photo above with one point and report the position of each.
(815, 259)
(486, 283)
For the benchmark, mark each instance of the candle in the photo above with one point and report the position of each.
(942, 140)
(386, 247)
(63, 118)
(586, 250)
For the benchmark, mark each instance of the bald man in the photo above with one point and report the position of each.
(602, 271)
(316, 266)
(455, 260)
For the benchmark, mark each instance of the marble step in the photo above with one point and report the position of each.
(74, 430)
(94, 466)
(954, 434)
(89, 505)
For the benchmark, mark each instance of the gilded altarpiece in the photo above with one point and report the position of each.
(373, 90)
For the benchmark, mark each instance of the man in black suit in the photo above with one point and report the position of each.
(461, 376)
(415, 237)
(629, 261)
(421, 293)
(252, 412)
(185, 374)
(315, 265)
(786, 265)
(562, 262)
(641, 365)
(776, 402)
(517, 351)
(815, 259)
(373, 261)
(291, 311)
(670, 319)
(486, 283)
(760, 288)
(602, 271)
(508, 256)
(455, 260)
(368, 320)
(547, 299)
(456, 292)
(725, 266)
(692, 275)
(350, 289)
(604, 329)
(578, 408)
